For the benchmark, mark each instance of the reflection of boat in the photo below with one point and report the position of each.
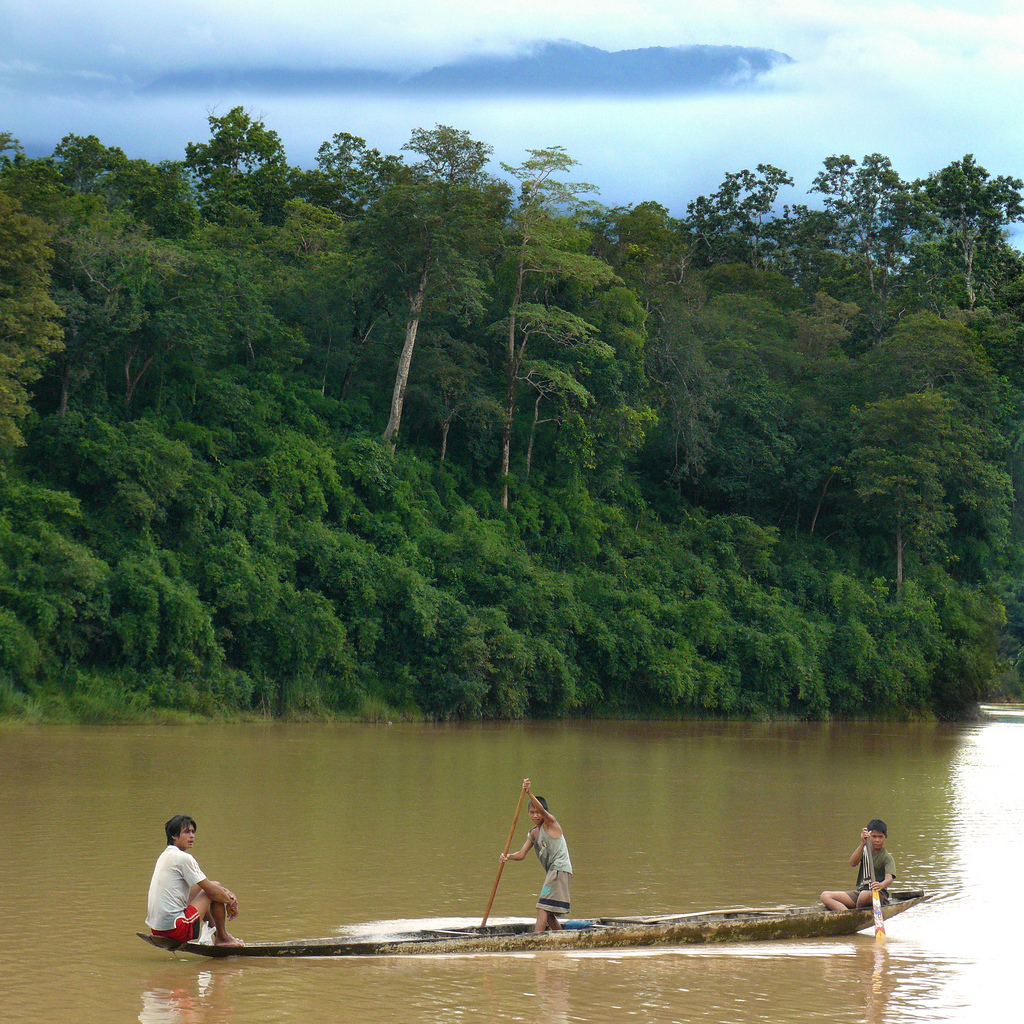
(740, 925)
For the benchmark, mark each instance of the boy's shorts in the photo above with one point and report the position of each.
(854, 894)
(554, 893)
(186, 928)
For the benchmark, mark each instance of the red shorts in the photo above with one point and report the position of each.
(186, 928)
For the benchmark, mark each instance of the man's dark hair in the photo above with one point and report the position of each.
(541, 801)
(877, 825)
(176, 824)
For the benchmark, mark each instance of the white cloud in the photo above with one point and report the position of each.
(423, 32)
(922, 82)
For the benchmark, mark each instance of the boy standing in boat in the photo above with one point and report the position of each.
(181, 897)
(547, 839)
(872, 838)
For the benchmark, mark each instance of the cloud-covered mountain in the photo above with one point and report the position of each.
(560, 69)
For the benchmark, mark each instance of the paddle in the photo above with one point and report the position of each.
(876, 900)
(501, 864)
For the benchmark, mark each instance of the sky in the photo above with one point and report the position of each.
(923, 83)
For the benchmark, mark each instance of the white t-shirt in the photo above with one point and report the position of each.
(173, 877)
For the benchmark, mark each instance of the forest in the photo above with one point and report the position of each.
(414, 435)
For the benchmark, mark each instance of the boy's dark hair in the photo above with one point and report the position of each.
(541, 801)
(176, 824)
(877, 825)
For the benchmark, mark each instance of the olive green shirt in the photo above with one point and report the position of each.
(884, 864)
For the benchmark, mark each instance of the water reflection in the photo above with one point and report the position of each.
(185, 995)
(987, 781)
(880, 983)
(550, 999)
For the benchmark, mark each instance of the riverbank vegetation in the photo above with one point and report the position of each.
(398, 435)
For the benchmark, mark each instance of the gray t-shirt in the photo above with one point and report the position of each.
(173, 877)
(552, 852)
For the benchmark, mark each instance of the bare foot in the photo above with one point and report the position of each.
(229, 940)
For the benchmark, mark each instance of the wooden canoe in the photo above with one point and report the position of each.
(739, 925)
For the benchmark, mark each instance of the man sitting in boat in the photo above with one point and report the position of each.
(181, 897)
(547, 839)
(872, 837)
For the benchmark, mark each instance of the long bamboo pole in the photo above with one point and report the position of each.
(501, 864)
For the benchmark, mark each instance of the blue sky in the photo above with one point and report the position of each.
(923, 83)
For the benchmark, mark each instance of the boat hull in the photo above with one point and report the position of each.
(739, 925)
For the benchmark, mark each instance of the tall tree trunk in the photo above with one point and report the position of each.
(405, 359)
(327, 360)
(446, 425)
(968, 247)
(131, 380)
(899, 559)
(65, 390)
(511, 373)
(533, 434)
(821, 499)
(506, 431)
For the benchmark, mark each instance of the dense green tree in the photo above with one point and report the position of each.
(545, 249)
(687, 386)
(159, 195)
(649, 249)
(350, 176)
(430, 231)
(321, 283)
(734, 224)
(896, 467)
(875, 214)
(53, 593)
(85, 165)
(29, 328)
(454, 384)
(243, 165)
(973, 209)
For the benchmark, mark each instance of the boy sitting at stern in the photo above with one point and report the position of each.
(872, 838)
